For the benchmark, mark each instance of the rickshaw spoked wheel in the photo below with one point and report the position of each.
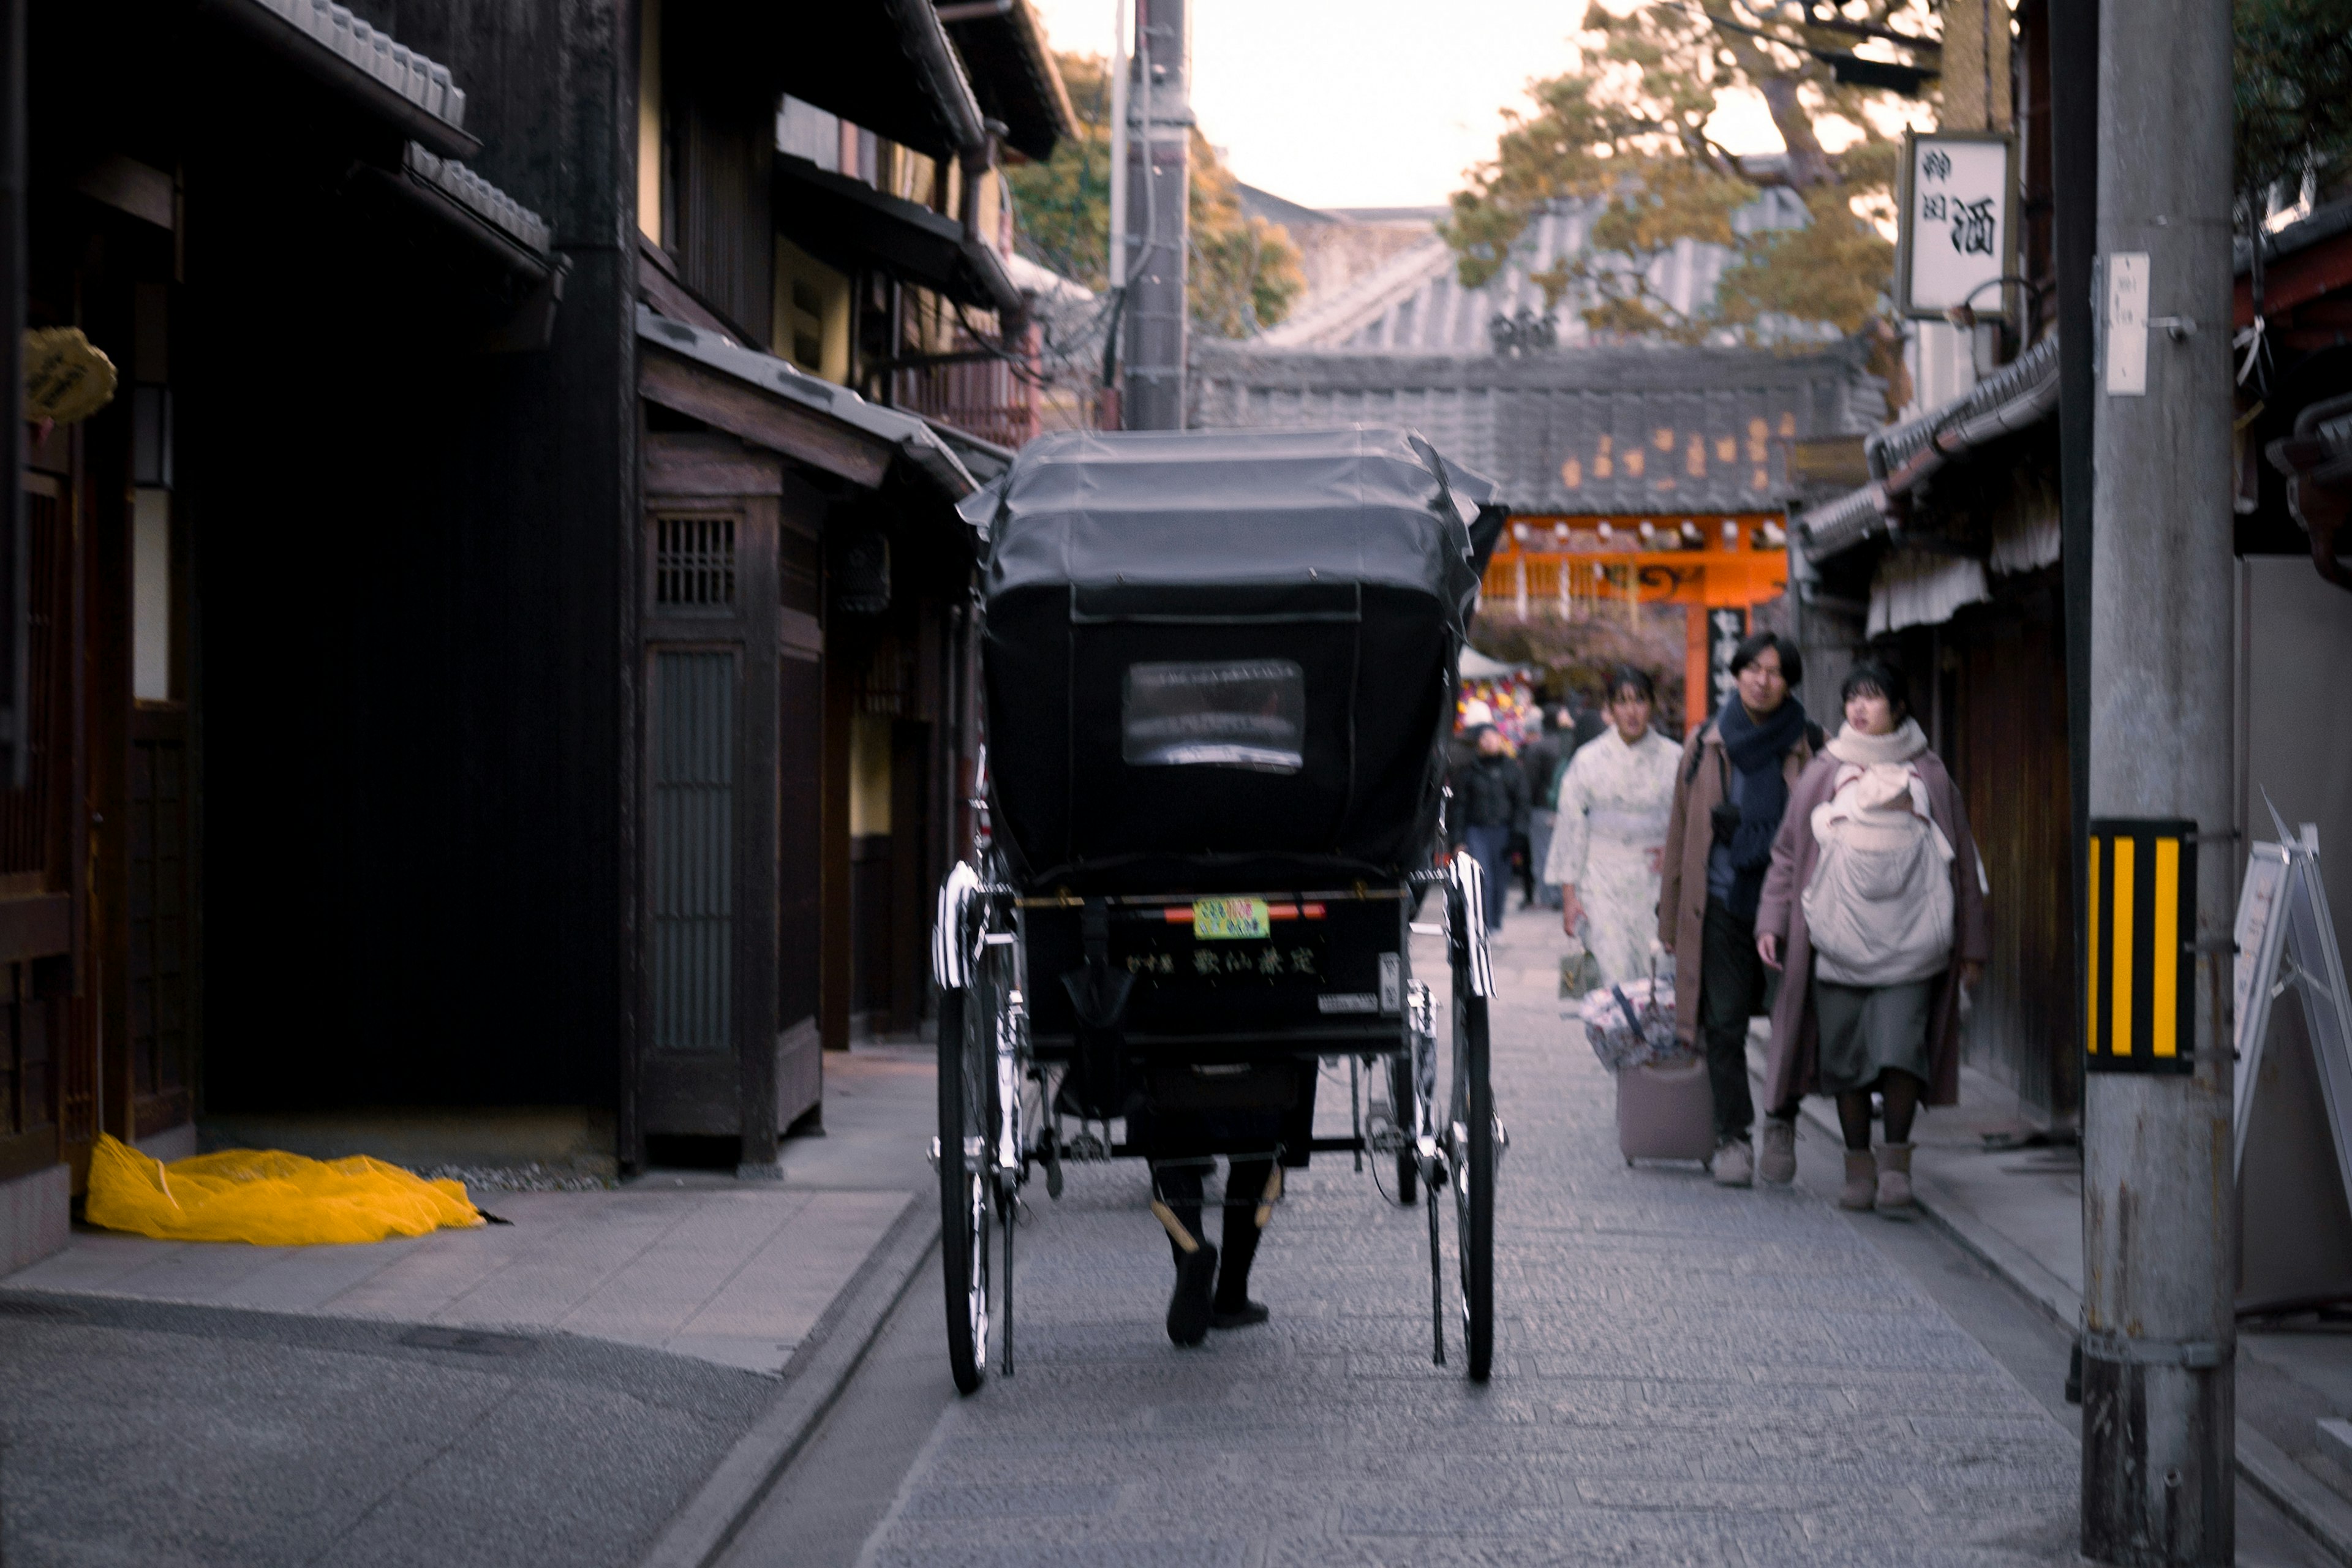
(967, 1090)
(1473, 1140)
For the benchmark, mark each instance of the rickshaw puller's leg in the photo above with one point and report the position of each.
(1245, 1224)
(1176, 1204)
(1176, 1187)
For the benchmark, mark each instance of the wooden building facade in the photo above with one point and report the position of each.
(1949, 562)
(458, 649)
(252, 589)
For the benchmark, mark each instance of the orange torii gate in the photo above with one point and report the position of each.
(1575, 567)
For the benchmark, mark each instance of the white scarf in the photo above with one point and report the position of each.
(1875, 775)
(1898, 745)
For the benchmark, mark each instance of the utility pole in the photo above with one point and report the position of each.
(1159, 184)
(2160, 1220)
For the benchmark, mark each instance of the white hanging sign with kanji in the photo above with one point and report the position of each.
(1957, 233)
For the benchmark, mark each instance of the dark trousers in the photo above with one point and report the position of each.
(1730, 991)
(1180, 1182)
(1491, 848)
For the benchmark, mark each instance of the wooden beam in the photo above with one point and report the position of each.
(2295, 279)
(725, 404)
(708, 465)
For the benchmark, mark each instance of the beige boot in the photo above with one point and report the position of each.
(1895, 1182)
(1861, 1180)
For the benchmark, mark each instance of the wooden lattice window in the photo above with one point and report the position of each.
(694, 563)
(691, 852)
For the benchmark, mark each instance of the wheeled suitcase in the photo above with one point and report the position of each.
(1665, 1112)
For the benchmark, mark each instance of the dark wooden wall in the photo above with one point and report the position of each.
(2004, 691)
(414, 579)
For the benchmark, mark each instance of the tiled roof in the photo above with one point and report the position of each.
(1416, 304)
(2022, 394)
(915, 439)
(481, 198)
(1632, 430)
(421, 81)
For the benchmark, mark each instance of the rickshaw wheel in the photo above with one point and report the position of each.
(967, 1079)
(1474, 1176)
(1400, 1102)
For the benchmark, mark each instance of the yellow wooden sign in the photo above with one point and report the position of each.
(67, 377)
(2140, 990)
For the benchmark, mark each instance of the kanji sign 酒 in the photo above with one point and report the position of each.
(1958, 221)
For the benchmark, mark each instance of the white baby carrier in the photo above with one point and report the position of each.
(1879, 907)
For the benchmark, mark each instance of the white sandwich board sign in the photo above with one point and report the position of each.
(2293, 1116)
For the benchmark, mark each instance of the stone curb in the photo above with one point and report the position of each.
(820, 1368)
(2315, 1510)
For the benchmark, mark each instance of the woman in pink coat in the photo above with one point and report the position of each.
(1875, 903)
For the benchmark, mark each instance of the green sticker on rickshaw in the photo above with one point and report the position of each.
(1229, 919)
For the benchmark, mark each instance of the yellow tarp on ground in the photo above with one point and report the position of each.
(266, 1197)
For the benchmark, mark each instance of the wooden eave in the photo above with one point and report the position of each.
(720, 400)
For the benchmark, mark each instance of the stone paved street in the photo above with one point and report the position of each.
(1684, 1375)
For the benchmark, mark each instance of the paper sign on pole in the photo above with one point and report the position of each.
(2127, 334)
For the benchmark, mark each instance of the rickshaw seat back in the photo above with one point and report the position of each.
(1209, 648)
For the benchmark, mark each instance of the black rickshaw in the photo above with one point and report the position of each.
(1218, 672)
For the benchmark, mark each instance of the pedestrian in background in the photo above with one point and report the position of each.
(1583, 722)
(1543, 757)
(1875, 904)
(1490, 809)
(1608, 849)
(1729, 799)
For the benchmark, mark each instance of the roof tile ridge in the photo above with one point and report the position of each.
(1377, 290)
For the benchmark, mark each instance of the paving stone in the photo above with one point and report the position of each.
(1684, 1375)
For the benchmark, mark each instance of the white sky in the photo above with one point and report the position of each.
(1359, 103)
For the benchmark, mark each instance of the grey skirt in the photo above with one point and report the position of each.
(1866, 1029)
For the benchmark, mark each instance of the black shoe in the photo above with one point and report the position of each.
(1188, 1308)
(1249, 1314)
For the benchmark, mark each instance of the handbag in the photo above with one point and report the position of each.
(1580, 973)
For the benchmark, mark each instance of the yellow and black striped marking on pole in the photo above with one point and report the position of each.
(2139, 992)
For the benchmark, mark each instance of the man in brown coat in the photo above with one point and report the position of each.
(1729, 799)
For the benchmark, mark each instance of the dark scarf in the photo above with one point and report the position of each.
(1756, 749)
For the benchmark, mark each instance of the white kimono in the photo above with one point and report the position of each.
(1613, 805)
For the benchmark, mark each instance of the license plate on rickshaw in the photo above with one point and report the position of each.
(1230, 920)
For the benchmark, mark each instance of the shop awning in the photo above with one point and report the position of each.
(855, 227)
(361, 66)
(888, 66)
(1013, 71)
(1902, 456)
(776, 405)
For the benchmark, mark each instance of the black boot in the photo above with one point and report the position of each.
(1188, 1307)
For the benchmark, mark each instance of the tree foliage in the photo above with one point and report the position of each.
(1244, 272)
(1624, 133)
(2292, 79)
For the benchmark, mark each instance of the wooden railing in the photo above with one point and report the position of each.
(985, 397)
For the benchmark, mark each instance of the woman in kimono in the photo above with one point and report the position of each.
(1613, 804)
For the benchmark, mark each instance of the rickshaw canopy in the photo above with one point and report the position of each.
(1217, 657)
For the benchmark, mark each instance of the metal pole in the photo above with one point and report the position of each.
(1155, 312)
(2160, 1231)
(1115, 257)
(15, 530)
